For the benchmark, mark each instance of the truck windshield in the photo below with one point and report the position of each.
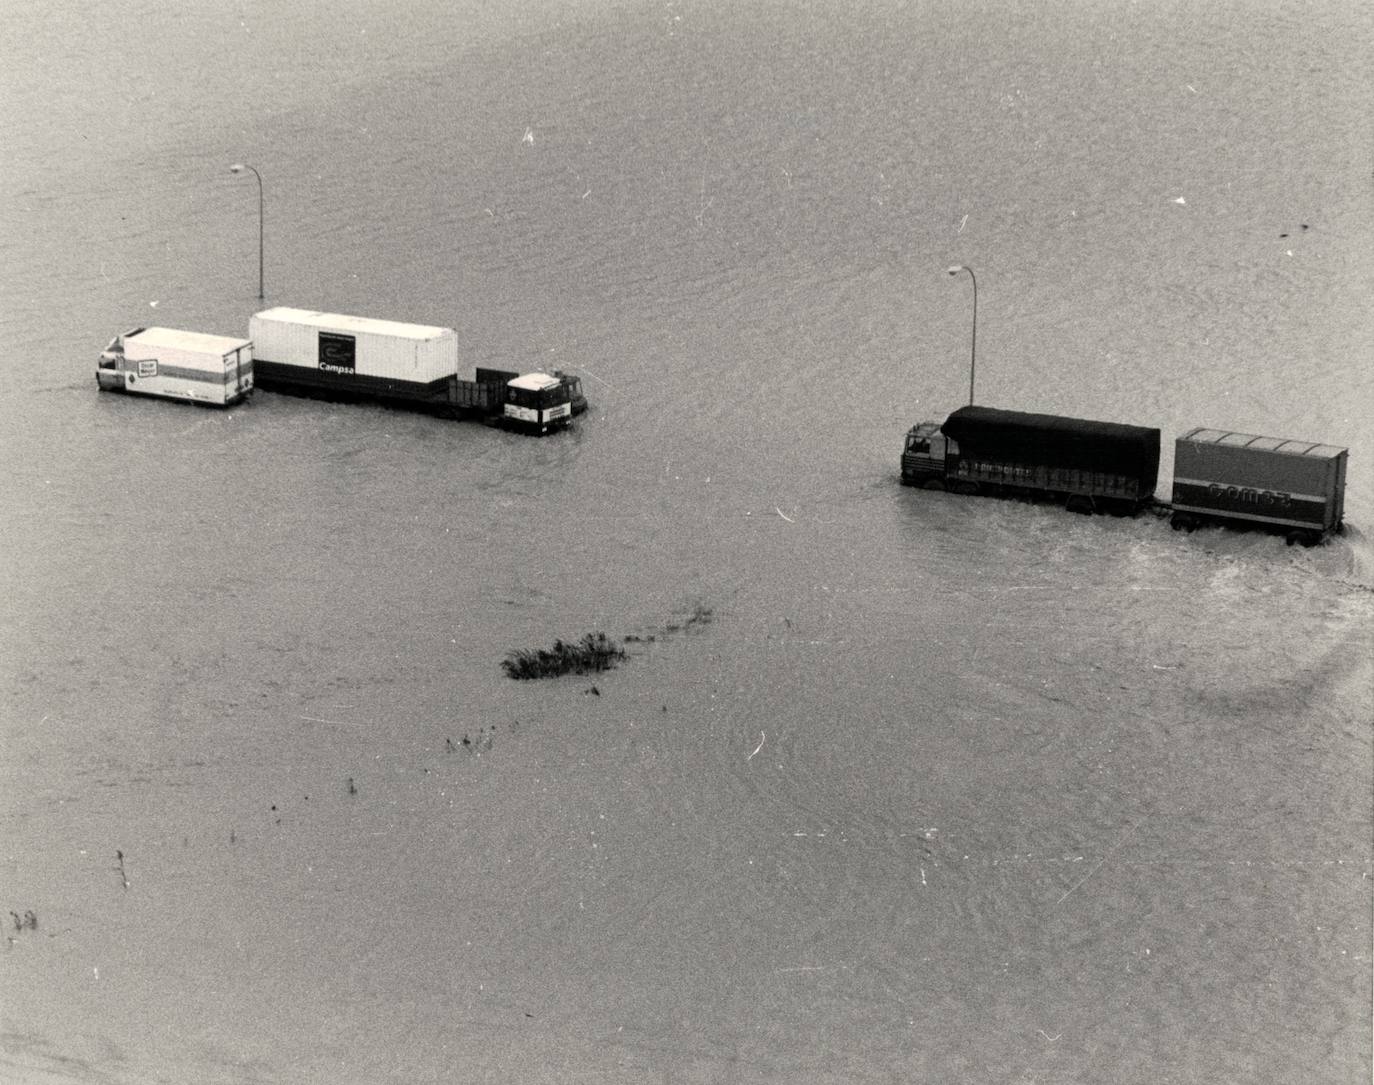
(536, 399)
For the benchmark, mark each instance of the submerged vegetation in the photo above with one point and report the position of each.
(594, 652)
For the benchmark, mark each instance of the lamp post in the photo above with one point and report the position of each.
(239, 167)
(973, 348)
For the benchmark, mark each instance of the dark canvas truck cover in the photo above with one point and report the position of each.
(1052, 441)
(1271, 479)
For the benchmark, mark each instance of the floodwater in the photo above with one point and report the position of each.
(894, 786)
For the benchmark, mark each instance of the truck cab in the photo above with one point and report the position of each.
(108, 368)
(537, 402)
(576, 399)
(926, 455)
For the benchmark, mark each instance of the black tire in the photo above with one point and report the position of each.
(934, 484)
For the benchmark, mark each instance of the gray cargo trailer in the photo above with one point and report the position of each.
(1242, 479)
(1087, 464)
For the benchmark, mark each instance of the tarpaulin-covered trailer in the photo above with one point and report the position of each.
(1284, 484)
(1055, 441)
(987, 450)
(173, 364)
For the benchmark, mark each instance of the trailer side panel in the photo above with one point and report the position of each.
(1047, 450)
(1269, 480)
(332, 354)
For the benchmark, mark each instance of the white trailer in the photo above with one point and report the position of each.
(172, 364)
(303, 350)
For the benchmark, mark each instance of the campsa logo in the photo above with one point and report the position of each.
(1246, 495)
(337, 352)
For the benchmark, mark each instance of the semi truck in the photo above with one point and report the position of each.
(173, 364)
(1089, 466)
(1296, 488)
(336, 356)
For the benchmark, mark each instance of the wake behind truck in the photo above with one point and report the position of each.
(335, 356)
(1089, 466)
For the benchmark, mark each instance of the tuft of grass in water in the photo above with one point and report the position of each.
(594, 652)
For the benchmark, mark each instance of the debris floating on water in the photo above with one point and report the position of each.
(594, 652)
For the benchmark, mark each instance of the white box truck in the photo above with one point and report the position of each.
(213, 369)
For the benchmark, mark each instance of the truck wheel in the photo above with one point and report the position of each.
(968, 489)
(1302, 538)
(933, 484)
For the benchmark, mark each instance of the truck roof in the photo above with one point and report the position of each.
(534, 382)
(1282, 445)
(337, 321)
(199, 342)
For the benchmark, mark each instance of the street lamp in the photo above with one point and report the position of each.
(239, 167)
(973, 349)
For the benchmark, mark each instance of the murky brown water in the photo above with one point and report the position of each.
(931, 789)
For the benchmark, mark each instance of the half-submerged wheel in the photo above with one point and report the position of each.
(933, 484)
(1298, 537)
(966, 488)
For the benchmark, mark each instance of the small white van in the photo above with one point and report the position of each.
(213, 369)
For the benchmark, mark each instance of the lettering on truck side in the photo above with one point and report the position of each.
(338, 352)
(1009, 471)
(1247, 495)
